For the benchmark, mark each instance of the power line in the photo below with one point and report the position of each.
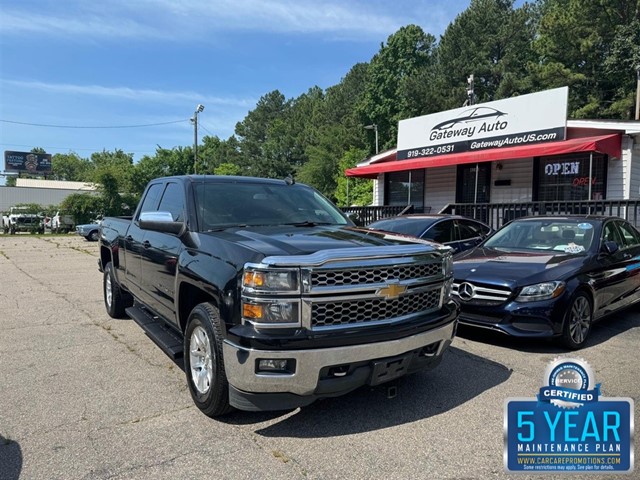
(205, 128)
(84, 126)
(46, 147)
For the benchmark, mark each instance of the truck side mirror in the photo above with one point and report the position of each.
(160, 222)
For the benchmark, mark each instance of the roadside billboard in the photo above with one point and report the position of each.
(27, 162)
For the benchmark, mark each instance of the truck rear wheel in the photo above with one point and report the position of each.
(115, 300)
(203, 362)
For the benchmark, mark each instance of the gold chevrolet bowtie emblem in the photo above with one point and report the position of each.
(391, 291)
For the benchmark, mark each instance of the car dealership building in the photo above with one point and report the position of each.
(509, 158)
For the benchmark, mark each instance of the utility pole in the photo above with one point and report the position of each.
(638, 92)
(199, 109)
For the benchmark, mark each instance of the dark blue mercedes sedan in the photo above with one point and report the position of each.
(549, 276)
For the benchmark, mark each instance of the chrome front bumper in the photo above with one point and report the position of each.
(240, 362)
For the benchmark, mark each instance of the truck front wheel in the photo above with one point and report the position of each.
(204, 365)
(115, 300)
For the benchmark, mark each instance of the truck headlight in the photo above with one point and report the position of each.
(541, 291)
(270, 280)
(271, 312)
(447, 265)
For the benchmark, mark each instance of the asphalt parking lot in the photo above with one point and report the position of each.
(86, 396)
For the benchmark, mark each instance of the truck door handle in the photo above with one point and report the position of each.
(146, 244)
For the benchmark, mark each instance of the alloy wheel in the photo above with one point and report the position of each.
(108, 291)
(580, 319)
(200, 359)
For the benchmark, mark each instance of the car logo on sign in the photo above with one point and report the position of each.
(466, 291)
(391, 291)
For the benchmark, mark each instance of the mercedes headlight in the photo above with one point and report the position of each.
(541, 291)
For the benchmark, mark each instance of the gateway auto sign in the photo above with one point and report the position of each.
(534, 118)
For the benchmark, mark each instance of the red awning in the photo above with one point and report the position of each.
(609, 144)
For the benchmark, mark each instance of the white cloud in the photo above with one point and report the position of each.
(87, 25)
(187, 19)
(140, 95)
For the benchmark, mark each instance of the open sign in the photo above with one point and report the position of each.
(563, 168)
(581, 181)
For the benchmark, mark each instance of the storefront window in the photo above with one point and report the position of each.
(405, 188)
(474, 183)
(566, 178)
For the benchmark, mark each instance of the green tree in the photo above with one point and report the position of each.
(254, 133)
(228, 169)
(84, 207)
(116, 166)
(352, 191)
(214, 152)
(406, 52)
(590, 46)
(166, 162)
(70, 166)
(490, 40)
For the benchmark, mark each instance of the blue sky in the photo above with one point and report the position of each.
(116, 63)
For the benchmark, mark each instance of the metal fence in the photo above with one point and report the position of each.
(365, 215)
(497, 214)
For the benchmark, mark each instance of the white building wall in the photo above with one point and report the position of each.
(631, 155)
(440, 187)
(10, 196)
(520, 172)
(378, 190)
(619, 174)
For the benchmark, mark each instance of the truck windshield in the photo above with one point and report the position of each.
(228, 204)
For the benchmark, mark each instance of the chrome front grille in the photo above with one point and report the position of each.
(336, 313)
(361, 286)
(381, 274)
(470, 293)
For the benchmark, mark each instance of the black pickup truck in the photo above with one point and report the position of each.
(274, 296)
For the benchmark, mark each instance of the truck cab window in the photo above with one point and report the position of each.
(173, 202)
(151, 199)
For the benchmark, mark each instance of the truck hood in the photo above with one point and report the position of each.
(514, 269)
(291, 240)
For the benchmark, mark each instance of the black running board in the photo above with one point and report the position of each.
(164, 336)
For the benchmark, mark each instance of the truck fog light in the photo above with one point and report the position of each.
(273, 365)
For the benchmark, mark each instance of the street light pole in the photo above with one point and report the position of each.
(374, 127)
(199, 109)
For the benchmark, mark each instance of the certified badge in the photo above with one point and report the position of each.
(569, 383)
(569, 426)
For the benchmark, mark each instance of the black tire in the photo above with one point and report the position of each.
(203, 343)
(93, 236)
(577, 321)
(115, 300)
